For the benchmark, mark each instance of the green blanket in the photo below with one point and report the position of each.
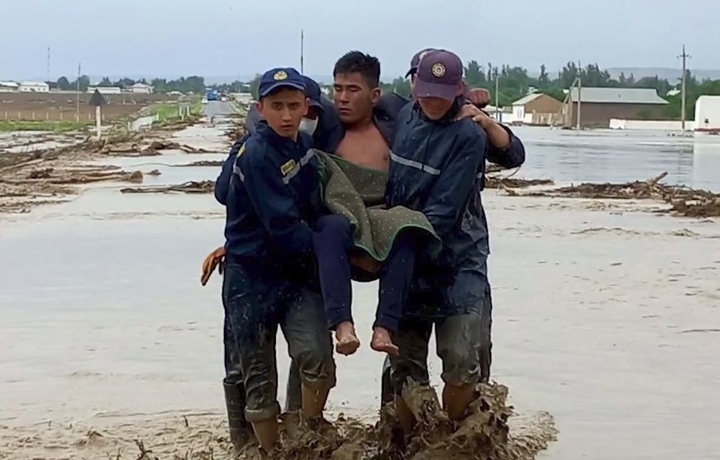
(358, 194)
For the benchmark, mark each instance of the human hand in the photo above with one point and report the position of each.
(215, 259)
(477, 115)
(479, 97)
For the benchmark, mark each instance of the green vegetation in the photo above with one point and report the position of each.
(170, 111)
(53, 126)
(193, 84)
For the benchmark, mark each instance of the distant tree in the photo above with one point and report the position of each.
(63, 84)
(544, 78)
(474, 75)
(105, 82)
(254, 85)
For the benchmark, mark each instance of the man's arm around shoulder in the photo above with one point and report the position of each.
(272, 200)
(505, 149)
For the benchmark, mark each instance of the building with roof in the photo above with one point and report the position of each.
(104, 89)
(34, 87)
(537, 109)
(8, 86)
(599, 105)
(141, 88)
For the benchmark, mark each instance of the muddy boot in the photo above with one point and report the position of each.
(404, 415)
(266, 433)
(456, 400)
(314, 399)
(240, 429)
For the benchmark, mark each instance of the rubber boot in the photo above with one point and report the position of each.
(456, 400)
(314, 399)
(240, 429)
(266, 432)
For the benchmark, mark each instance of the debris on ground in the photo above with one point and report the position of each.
(42, 176)
(76, 176)
(496, 178)
(683, 201)
(203, 163)
(236, 132)
(154, 149)
(205, 186)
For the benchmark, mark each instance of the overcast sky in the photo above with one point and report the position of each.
(242, 37)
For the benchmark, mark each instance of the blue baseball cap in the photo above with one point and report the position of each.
(281, 77)
(439, 74)
(313, 92)
(415, 61)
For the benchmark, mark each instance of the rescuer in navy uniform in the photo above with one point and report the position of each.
(273, 197)
(436, 167)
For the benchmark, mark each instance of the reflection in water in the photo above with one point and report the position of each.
(706, 162)
(617, 156)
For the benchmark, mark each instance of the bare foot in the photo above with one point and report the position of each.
(382, 342)
(347, 341)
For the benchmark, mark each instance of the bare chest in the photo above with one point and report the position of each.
(366, 148)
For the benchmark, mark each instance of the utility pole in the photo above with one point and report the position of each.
(48, 66)
(683, 95)
(497, 96)
(77, 94)
(302, 52)
(579, 101)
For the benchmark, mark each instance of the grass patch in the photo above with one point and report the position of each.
(53, 126)
(170, 111)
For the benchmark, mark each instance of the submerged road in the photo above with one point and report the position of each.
(218, 108)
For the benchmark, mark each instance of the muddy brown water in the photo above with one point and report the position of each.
(606, 316)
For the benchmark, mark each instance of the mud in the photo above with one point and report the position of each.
(205, 186)
(236, 132)
(154, 149)
(204, 163)
(487, 433)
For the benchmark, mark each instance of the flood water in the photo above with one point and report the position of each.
(606, 316)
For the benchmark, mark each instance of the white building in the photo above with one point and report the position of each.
(8, 86)
(34, 87)
(707, 113)
(141, 88)
(105, 89)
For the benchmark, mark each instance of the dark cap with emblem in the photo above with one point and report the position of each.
(281, 77)
(416, 60)
(313, 92)
(439, 74)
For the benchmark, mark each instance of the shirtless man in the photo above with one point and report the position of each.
(356, 93)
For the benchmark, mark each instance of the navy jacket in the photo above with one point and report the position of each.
(274, 195)
(436, 168)
(510, 157)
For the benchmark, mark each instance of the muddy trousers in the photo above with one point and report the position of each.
(235, 389)
(332, 243)
(463, 344)
(256, 304)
